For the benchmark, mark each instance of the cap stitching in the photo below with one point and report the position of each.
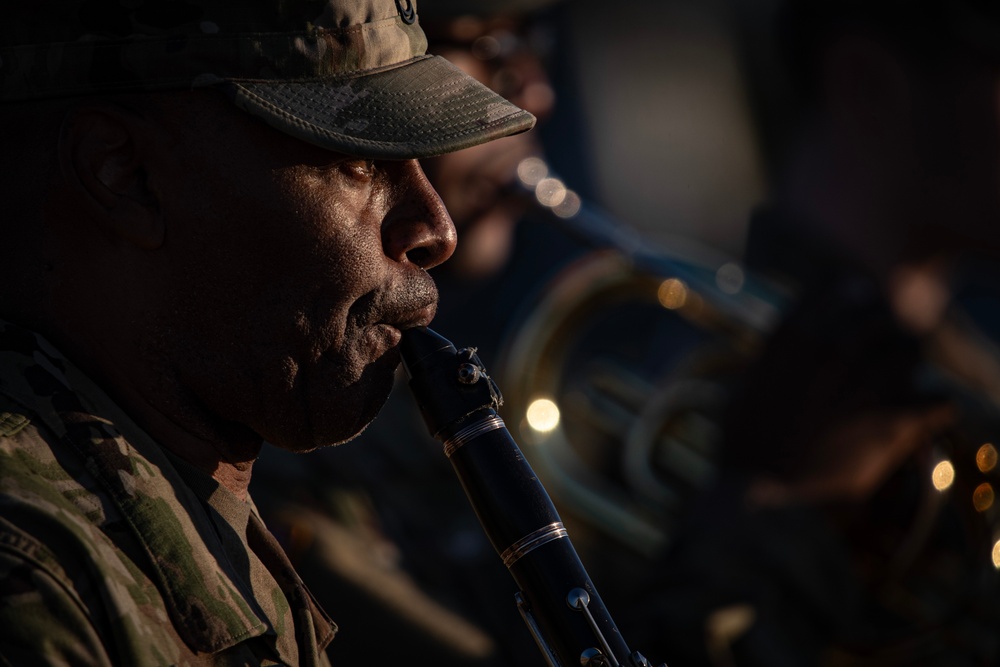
(301, 123)
(467, 106)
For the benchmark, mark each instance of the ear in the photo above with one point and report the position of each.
(101, 155)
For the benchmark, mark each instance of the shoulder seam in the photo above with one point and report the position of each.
(25, 548)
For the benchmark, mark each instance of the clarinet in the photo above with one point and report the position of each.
(557, 600)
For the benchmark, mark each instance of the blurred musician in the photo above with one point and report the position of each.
(850, 524)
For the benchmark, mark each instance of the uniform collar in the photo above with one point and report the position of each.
(209, 603)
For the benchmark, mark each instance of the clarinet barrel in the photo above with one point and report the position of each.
(557, 599)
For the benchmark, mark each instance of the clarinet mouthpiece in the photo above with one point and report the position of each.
(420, 343)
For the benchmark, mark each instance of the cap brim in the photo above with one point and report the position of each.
(423, 108)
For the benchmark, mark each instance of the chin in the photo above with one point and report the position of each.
(340, 415)
(300, 438)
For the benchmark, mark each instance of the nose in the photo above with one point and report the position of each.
(418, 229)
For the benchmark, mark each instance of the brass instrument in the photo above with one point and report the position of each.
(621, 428)
(631, 427)
(631, 349)
(461, 406)
(557, 599)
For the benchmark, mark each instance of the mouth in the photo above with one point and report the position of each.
(385, 335)
(416, 317)
(381, 338)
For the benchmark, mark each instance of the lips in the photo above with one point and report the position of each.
(384, 336)
(418, 317)
(386, 313)
(412, 304)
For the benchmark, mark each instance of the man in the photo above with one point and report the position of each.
(824, 542)
(220, 231)
(382, 527)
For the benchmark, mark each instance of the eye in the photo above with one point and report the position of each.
(363, 170)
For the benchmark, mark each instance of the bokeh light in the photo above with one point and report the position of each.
(569, 206)
(672, 293)
(982, 497)
(532, 170)
(543, 415)
(730, 278)
(550, 192)
(986, 457)
(943, 475)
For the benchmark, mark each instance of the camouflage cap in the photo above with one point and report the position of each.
(347, 75)
(483, 8)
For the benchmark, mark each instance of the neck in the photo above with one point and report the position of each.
(154, 401)
(224, 451)
(107, 311)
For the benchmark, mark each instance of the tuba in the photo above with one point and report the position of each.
(616, 377)
(615, 382)
(461, 405)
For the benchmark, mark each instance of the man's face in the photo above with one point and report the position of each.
(286, 276)
(477, 184)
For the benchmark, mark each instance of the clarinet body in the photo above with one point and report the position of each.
(559, 603)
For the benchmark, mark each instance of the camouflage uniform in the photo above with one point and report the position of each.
(113, 552)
